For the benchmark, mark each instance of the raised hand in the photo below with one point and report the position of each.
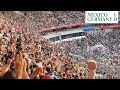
(9, 61)
(25, 74)
(5, 68)
(19, 64)
(91, 64)
(35, 73)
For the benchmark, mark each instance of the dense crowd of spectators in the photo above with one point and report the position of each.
(102, 46)
(25, 54)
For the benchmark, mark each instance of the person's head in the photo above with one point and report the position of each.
(69, 76)
(10, 54)
(48, 69)
(55, 73)
(4, 58)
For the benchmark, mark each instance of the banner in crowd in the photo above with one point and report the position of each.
(78, 25)
(60, 27)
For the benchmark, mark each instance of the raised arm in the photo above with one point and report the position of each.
(91, 64)
(35, 73)
(19, 64)
(25, 74)
(5, 68)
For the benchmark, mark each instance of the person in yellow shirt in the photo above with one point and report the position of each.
(78, 68)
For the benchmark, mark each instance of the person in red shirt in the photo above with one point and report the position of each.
(47, 77)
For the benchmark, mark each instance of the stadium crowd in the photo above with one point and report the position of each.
(102, 46)
(25, 54)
